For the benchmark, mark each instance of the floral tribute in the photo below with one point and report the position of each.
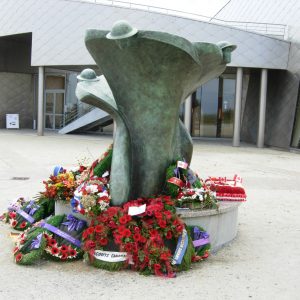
(22, 214)
(146, 235)
(58, 238)
(92, 196)
(197, 198)
(148, 239)
(188, 189)
(227, 189)
(60, 186)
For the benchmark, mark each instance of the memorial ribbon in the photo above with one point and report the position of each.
(181, 248)
(61, 233)
(201, 238)
(31, 208)
(25, 215)
(75, 201)
(110, 256)
(176, 172)
(16, 204)
(36, 243)
(57, 170)
(176, 181)
(191, 177)
(74, 223)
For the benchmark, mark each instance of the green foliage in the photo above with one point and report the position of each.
(30, 256)
(104, 165)
(197, 184)
(171, 189)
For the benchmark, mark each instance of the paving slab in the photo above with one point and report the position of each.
(263, 262)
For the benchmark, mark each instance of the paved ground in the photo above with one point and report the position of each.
(263, 262)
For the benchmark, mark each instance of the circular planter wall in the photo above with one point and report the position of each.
(221, 224)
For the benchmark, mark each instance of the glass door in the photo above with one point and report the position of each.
(213, 108)
(54, 109)
(205, 108)
(228, 100)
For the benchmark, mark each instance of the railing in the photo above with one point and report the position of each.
(278, 30)
(80, 110)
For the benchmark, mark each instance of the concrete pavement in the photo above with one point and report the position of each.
(263, 262)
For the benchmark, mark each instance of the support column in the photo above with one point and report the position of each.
(188, 113)
(262, 108)
(40, 116)
(237, 108)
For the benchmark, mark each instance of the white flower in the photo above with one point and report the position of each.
(91, 189)
(103, 194)
(103, 205)
(78, 194)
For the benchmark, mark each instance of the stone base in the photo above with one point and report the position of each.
(62, 207)
(221, 224)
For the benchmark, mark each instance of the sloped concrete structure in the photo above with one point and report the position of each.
(54, 42)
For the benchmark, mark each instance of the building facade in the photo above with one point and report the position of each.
(42, 50)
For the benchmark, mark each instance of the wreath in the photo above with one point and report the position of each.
(180, 176)
(30, 212)
(145, 235)
(91, 197)
(146, 242)
(104, 163)
(58, 238)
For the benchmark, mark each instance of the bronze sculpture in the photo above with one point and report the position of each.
(147, 75)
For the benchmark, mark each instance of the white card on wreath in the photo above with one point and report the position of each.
(136, 210)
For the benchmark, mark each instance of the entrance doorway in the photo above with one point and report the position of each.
(213, 108)
(54, 114)
(54, 102)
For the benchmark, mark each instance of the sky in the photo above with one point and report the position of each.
(201, 7)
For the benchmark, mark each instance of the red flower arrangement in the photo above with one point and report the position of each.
(143, 237)
(227, 189)
(61, 252)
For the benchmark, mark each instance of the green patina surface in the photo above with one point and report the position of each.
(147, 76)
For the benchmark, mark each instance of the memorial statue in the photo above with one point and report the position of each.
(147, 75)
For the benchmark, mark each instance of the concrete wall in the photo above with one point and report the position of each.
(250, 113)
(59, 27)
(294, 67)
(280, 110)
(16, 97)
(282, 97)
